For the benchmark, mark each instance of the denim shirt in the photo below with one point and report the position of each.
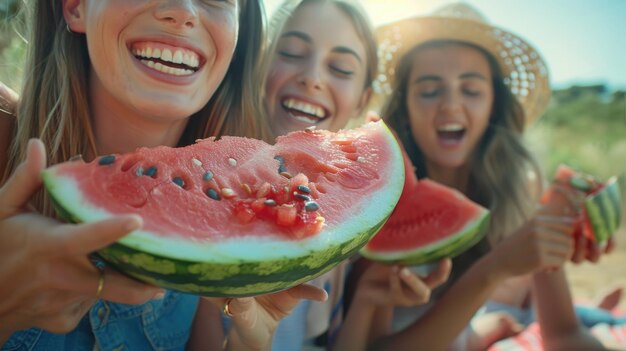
(156, 325)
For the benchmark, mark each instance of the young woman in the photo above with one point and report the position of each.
(106, 77)
(462, 125)
(320, 76)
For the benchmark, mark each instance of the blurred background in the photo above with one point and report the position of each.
(584, 44)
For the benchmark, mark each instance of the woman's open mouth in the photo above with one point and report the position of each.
(304, 111)
(450, 133)
(172, 60)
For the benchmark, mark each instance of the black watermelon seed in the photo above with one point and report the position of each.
(270, 203)
(302, 197)
(281, 167)
(179, 181)
(213, 194)
(311, 206)
(207, 176)
(304, 189)
(106, 160)
(150, 172)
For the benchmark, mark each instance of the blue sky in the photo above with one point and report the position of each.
(583, 41)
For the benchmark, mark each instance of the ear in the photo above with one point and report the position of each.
(74, 14)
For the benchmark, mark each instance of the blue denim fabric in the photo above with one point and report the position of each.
(157, 325)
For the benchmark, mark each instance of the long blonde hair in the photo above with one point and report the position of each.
(501, 163)
(54, 105)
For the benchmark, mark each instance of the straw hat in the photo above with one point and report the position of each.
(524, 70)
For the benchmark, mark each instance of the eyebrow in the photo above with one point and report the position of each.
(467, 75)
(305, 37)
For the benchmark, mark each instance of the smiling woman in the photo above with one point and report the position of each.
(318, 75)
(111, 76)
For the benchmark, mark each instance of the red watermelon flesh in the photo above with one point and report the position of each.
(170, 186)
(237, 216)
(431, 221)
(596, 203)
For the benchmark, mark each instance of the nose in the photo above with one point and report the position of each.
(311, 76)
(179, 13)
(450, 104)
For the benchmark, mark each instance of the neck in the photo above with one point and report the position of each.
(119, 128)
(457, 178)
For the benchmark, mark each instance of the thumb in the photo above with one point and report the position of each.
(26, 179)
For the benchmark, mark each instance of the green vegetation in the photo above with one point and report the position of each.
(584, 127)
(11, 43)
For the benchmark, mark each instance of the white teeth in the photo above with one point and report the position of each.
(178, 56)
(158, 66)
(166, 55)
(451, 127)
(304, 107)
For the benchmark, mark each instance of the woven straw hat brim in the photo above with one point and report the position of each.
(524, 69)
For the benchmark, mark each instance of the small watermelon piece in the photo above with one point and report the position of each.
(237, 216)
(599, 202)
(431, 221)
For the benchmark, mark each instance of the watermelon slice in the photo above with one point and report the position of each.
(600, 203)
(430, 222)
(237, 216)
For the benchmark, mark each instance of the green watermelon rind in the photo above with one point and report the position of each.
(603, 210)
(229, 280)
(307, 258)
(450, 247)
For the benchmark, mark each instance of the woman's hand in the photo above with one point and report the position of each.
(254, 319)
(542, 243)
(48, 280)
(567, 200)
(391, 285)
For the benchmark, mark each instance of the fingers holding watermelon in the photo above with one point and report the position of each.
(254, 319)
(52, 281)
(596, 205)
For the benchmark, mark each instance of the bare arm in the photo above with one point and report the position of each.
(379, 289)
(560, 328)
(450, 314)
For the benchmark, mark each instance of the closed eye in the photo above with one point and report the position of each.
(290, 55)
(429, 94)
(341, 71)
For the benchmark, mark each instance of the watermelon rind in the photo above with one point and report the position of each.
(603, 210)
(239, 266)
(450, 247)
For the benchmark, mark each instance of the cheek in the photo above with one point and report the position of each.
(275, 80)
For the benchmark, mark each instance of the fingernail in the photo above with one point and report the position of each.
(405, 272)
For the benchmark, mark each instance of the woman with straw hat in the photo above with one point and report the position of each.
(459, 93)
